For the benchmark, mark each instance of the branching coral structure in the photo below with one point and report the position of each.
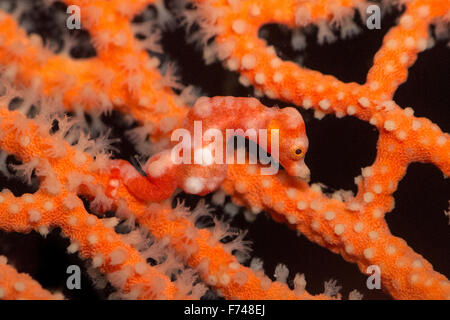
(125, 219)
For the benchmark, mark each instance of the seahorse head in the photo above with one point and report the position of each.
(292, 142)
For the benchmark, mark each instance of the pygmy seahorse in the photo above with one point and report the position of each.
(199, 167)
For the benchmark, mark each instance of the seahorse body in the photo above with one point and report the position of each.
(196, 167)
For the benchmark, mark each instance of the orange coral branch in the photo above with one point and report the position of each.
(56, 204)
(98, 242)
(403, 138)
(121, 76)
(217, 266)
(237, 43)
(362, 236)
(20, 286)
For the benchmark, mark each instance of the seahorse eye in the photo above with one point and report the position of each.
(296, 153)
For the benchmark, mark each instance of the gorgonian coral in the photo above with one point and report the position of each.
(125, 225)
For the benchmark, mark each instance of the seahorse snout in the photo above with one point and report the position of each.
(299, 169)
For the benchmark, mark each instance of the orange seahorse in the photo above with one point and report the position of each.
(221, 117)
